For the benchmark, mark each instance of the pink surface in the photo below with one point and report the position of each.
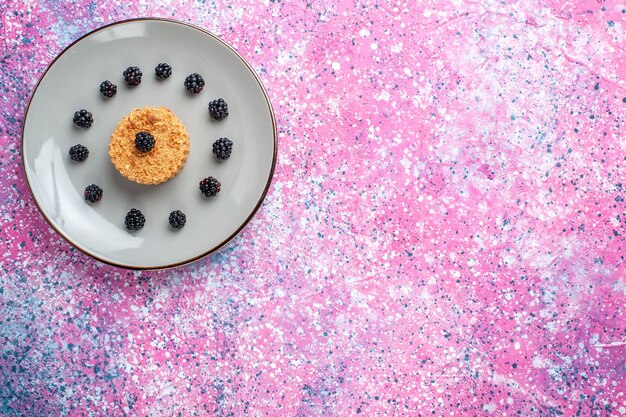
(444, 234)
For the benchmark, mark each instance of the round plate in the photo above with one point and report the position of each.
(72, 82)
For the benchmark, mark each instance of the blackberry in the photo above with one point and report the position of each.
(132, 76)
(163, 71)
(177, 219)
(83, 118)
(108, 89)
(194, 83)
(222, 148)
(134, 219)
(210, 187)
(218, 109)
(144, 141)
(93, 193)
(78, 153)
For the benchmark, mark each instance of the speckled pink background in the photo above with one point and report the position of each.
(445, 233)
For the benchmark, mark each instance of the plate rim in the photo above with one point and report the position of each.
(256, 206)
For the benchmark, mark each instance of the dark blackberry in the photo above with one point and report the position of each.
(177, 219)
(218, 109)
(210, 187)
(132, 76)
(144, 141)
(83, 118)
(93, 193)
(194, 83)
(108, 89)
(134, 219)
(163, 71)
(222, 148)
(78, 153)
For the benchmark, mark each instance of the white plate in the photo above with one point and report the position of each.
(72, 82)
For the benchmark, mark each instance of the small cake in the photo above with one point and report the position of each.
(164, 160)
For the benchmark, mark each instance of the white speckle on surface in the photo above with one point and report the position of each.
(383, 96)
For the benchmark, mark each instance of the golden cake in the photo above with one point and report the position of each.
(164, 160)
